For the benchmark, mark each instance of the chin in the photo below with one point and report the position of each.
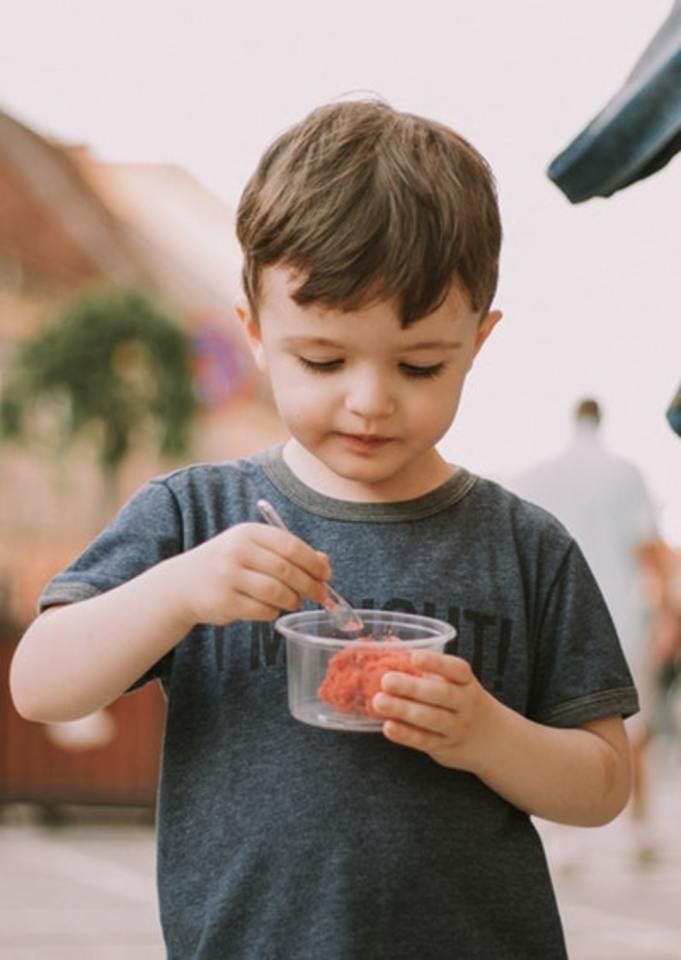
(360, 470)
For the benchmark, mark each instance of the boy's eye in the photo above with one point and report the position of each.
(408, 369)
(320, 366)
(422, 372)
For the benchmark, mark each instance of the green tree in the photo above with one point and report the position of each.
(112, 368)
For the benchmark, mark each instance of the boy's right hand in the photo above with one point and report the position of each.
(251, 572)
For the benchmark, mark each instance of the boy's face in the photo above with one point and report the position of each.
(365, 401)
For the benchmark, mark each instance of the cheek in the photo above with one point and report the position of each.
(432, 415)
(297, 399)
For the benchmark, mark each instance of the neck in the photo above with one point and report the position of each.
(586, 432)
(422, 476)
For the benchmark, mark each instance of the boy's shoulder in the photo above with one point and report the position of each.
(199, 472)
(200, 498)
(501, 508)
(207, 476)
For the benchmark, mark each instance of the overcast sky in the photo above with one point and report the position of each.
(589, 292)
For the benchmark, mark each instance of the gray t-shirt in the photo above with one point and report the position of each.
(282, 841)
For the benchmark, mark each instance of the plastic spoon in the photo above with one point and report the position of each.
(343, 614)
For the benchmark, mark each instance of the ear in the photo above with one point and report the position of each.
(487, 324)
(252, 331)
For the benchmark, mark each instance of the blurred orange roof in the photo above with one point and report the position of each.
(184, 233)
(69, 218)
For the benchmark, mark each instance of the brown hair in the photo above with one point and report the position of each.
(588, 409)
(369, 204)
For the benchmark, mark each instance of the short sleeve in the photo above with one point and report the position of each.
(580, 673)
(146, 530)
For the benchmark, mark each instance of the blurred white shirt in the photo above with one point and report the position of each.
(603, 501)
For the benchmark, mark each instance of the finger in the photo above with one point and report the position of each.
(276, 566)
(412, 737)
(268, 590)
(293, 549)
(431, 689)
(421, 715)
(250, 609)
(452, 668)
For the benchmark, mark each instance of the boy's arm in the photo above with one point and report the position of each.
(76, 658)
(578, 776)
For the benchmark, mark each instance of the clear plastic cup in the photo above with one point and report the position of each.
(331, 677)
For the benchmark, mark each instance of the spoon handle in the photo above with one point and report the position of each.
(339, 608)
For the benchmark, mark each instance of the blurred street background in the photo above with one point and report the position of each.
(127, 132)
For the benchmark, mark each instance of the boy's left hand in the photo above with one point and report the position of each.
(445, 713)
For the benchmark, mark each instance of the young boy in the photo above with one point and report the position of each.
(371, 242)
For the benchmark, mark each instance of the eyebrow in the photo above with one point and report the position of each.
(435, 345)
(408, 348)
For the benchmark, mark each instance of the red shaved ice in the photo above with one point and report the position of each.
(353, 675)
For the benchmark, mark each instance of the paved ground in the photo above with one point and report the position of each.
(86, 891)
(614, 906)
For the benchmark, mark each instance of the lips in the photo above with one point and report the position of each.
(365, 442)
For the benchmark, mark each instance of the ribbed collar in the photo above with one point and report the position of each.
(280, 474)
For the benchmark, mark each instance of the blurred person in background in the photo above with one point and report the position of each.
(662, 569)
(603, 501)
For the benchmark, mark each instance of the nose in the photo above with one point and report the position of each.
(369, 395)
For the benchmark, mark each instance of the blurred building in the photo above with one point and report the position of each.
(68, 222)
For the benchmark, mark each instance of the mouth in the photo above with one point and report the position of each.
(365, 441)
